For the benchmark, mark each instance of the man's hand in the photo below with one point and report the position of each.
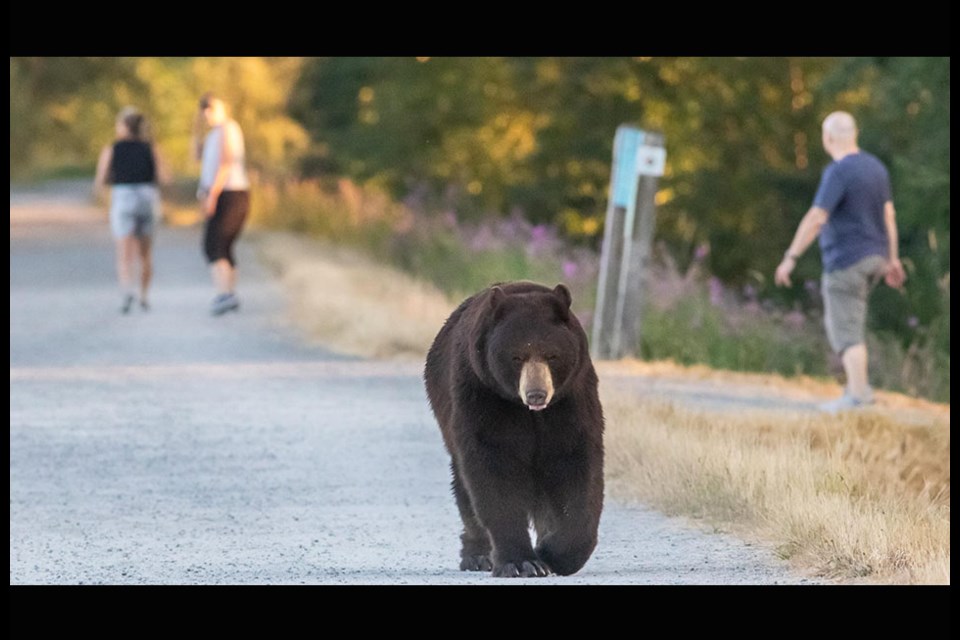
(895, 276)
(782, 275)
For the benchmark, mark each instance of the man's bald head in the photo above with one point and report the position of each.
(841, 126)
(839, 133)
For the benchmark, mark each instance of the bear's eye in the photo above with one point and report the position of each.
(552, 357)
(517, 359)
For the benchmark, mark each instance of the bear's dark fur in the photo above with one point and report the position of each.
(511, 384)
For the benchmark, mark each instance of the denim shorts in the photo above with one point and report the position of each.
(134, 209)
(845, 293)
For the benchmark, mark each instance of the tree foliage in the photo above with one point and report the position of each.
(62, 110)
(490, 136)
(494, 136)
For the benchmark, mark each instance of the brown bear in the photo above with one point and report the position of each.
(510, 381)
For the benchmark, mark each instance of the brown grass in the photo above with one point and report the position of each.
(348, 303)
(856, 497)
(863, 497)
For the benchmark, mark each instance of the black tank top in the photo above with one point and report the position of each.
(132, 163)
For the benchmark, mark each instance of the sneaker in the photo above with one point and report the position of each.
(144, 305)
(847, 402)
(127, 303)
(223, 303)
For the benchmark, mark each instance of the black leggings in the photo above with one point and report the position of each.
(224, 226)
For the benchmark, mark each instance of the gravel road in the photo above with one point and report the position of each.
(172, 447)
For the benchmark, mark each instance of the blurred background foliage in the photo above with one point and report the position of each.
(524, 145)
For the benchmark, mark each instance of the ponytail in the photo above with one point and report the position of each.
(134, 124)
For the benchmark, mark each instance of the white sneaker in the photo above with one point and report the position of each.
(223, 303)
(847, 402)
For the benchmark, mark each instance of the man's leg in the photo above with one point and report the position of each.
(845, 313)
(855, 366)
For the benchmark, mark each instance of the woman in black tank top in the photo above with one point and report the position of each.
(132, 162)
(132, 167)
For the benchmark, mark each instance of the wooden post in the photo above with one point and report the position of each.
(622, 195)
(638, 159)
(610, 263)
(637, 260)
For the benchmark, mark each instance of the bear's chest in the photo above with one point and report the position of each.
(535, 437)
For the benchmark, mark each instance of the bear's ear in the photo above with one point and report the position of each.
(497, 296)
(563, 293)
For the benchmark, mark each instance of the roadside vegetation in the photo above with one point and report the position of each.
(690, 317)
(859, 497)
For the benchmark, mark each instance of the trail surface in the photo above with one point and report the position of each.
(172, 447)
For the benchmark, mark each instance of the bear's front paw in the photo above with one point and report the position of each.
(525, 569)
(479, 562)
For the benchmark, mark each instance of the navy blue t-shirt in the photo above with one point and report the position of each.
(853, 190)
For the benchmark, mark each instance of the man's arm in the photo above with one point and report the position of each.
(895, 276)
(807, 232)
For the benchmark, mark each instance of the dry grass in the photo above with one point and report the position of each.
(859, 498)
(856, 497)
(350, 304)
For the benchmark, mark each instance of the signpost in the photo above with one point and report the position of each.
(638, 161)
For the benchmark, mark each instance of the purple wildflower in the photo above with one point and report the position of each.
(702, 251)
(483, 239)
(794, 320)
(570, 269)
(539, 239)
(913, 322)
(716, 291)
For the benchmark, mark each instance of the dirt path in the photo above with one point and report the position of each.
(172, 447)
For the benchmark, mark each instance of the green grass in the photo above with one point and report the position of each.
(696, 332)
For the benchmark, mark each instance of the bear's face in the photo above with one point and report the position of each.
(533, 345)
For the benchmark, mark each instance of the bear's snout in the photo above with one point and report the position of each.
(536, 398)
(536, 385)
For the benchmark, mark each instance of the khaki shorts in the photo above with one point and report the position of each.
(845, 294)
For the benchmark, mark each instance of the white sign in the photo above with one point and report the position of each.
(650, 160)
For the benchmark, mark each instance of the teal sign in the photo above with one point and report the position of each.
(626, 144)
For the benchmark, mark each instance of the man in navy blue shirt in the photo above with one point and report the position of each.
(853, 215)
